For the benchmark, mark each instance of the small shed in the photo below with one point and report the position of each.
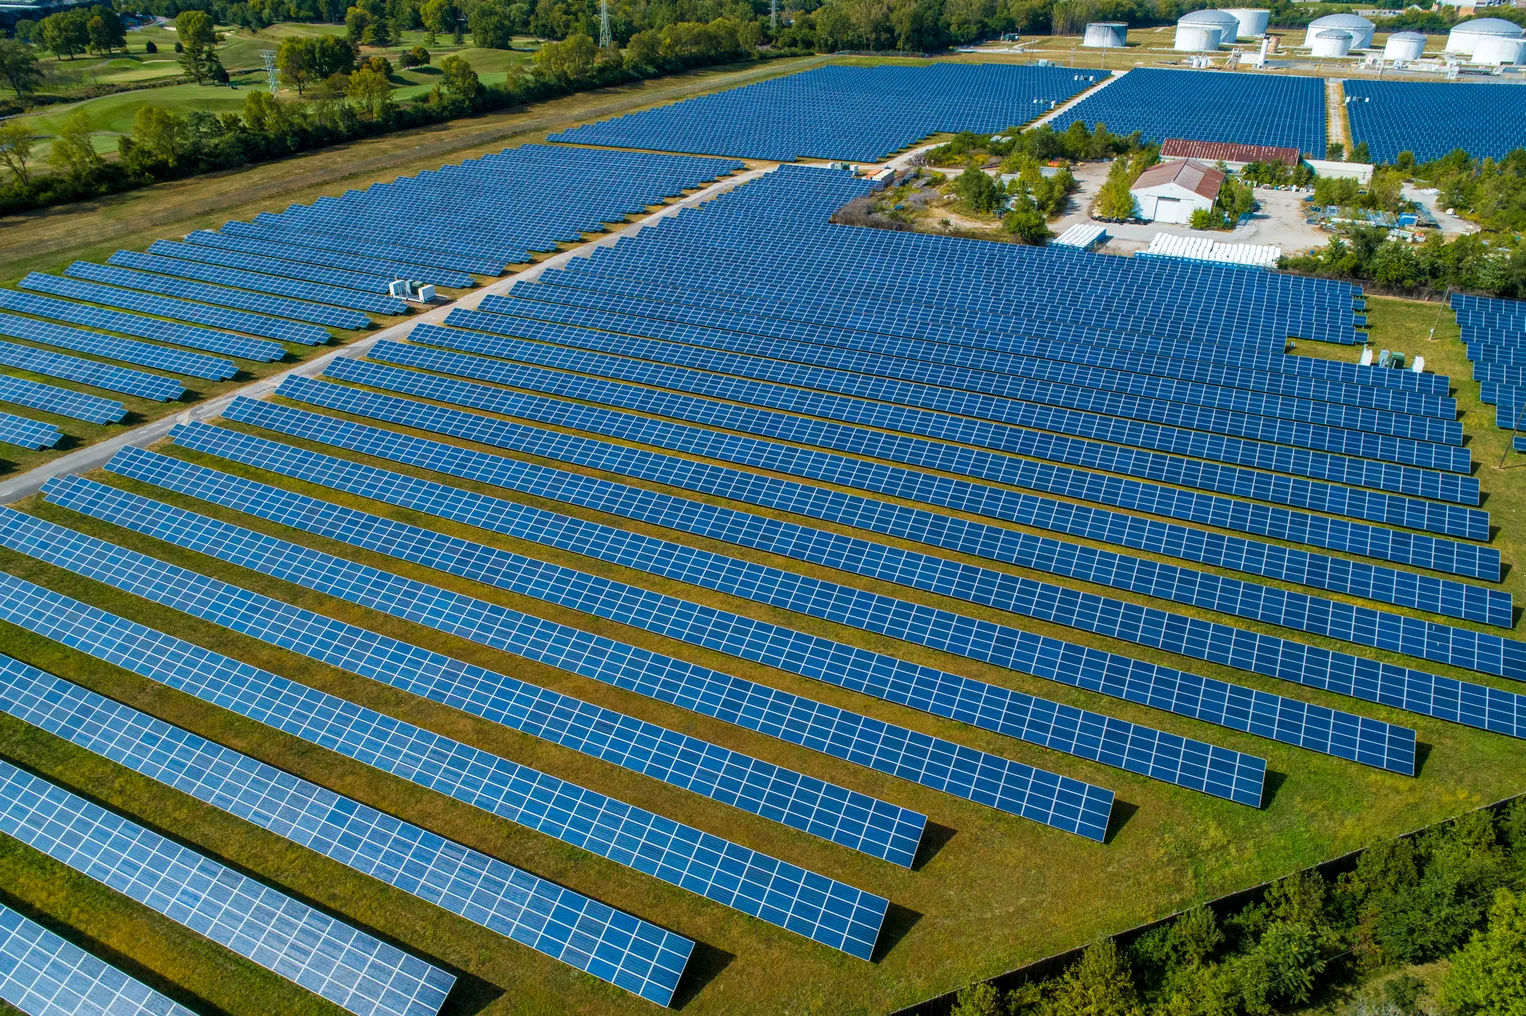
(1172, 191)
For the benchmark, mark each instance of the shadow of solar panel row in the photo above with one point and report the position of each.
(351, 244)
(91, 372)
(298, 310)
(44, 975)
(1041, 553)
(567, 926)
(1221, 385)
(143, 327)
(353, 970)
(60, 401)
(370, 266)
(1139, 397)
(1051, 659)
(812, 905)
(1358, 625)
(334, 296)
(864, 113)
(559, 194)
(181, 310)
(211, 368)
(270, 266)
(978, 776)
(992, 502)
(1251, 109)
(818, 658)
(1432, 119)
(1028, 420)
(853, 820)
(24, 433)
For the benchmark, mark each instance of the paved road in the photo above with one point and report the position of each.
(13, 488)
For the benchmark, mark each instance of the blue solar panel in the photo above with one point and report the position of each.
(348, 967)
(60, 401)
(99, 375)
(177, 309)
(864, 113)
(143, 327)
(32, 434)
(1218, 643)
(359, 245)
(1431, 119)
(365, 264)
(44, 975)
(299, 310)
(959, 698)
(334, 296)
(212, 368)
(565, 925)
(269, 266)
(819, 908)
(850, 819)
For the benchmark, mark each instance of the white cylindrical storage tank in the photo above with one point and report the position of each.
(1106, 35)
(1227, 24)
(1252, 20)
(1465, 37)
(1331, 43)
(1359, 29)
(1197, 38)
(1404, 46)
(1498, 50)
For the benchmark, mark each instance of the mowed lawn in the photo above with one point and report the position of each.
(990, 891)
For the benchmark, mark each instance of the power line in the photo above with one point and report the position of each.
(604, 37)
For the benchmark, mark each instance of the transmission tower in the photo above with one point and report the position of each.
(773, 15)
(604, 36)
(271, 73)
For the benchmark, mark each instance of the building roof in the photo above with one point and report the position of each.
(1217, 151)
(1200, 178)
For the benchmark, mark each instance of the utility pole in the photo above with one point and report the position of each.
(604, 37)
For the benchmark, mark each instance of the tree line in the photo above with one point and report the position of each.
(1449, 893)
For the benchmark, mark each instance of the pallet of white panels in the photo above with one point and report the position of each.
(223, 296)
(365, 264)
(1415, 691)
(60, 401)
(567, 926)
(178, 361)
(177, 309)
(821, 909)
(258, 282)
(353, 970)
(359, 245)
(27, 433)
(193, 336)
(90, 372)
(270, 266)
(42, 974)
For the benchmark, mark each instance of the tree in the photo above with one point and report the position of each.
(356, 23)
(19, 66)
(73, 150)
(27, 31)
(16, 143)
(977, 190)
(65, 34)
(149, 47)
(491, 27)
(158, 135)
(1098, 985)
(380, 65)
(458, 78)
(302, 62)
(104, 30)
(1281, 968)
(1114, 198)
(979, 1000)
(371, 92)
(1489, 973)
(569, 60)
(418, 56)
(1360, 152)
(198, 57)
(1026, 222)
(1335, 151)
(294, 63)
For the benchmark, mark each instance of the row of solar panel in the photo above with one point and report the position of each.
(60, 401)
(1433, 119)
(91, 372)
(260, 282)
(178, 361)
(945, 631)
(144, 327)
(299, 310)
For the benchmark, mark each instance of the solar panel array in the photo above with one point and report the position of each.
(864, 113)
(558, 922)
(1250, 109)
(300, 310)
(1494, 335)
(44, 975)
(332, 296)
(60, 401)
(99, 375)
(1433, 118)
(193, 336)
(177, 361)
(26, 433)
(348, 967)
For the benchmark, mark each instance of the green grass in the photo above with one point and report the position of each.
(1000, 891)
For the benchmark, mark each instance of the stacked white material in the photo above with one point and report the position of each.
(1082, 236)
(1197, 248)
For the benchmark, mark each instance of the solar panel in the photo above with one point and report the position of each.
(213, 368)
(144, 327)
(99, 375)
(353, 970)
(852, 820)
(365, 263)
(819, 908)
(44, 975)
(60, 401)
(269, 266)
(334, 296)
(177, 309)
(25, 433)
(299, 310)
(357, 245)
(1431, 119)
(567, 926)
